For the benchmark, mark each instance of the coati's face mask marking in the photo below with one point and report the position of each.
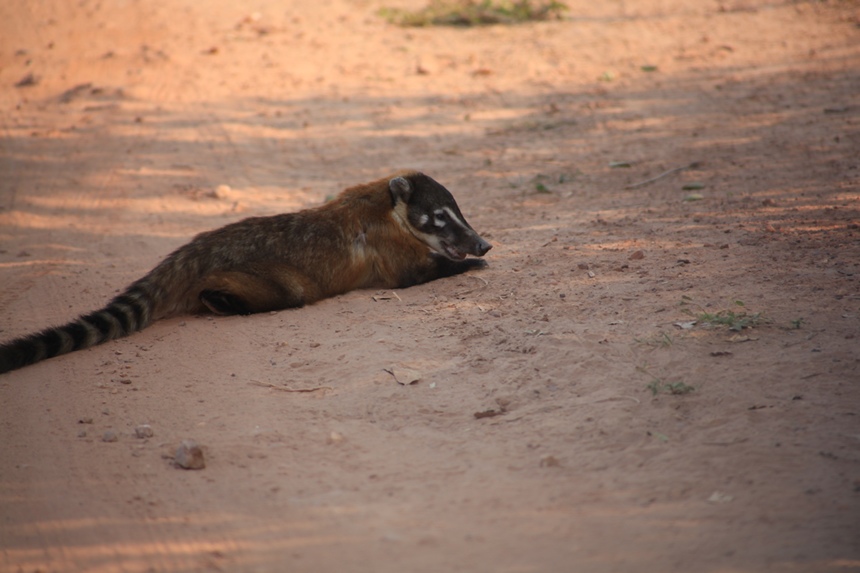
(434, 217)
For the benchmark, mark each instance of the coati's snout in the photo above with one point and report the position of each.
(435, 218)
(481, 247)
(470, 244)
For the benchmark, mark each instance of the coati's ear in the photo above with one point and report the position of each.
(400, 189)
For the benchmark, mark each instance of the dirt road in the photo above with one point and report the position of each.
(663, 352)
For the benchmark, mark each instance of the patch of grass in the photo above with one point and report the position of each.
(542, 182)
(675, 388)
(679, 388)
(476, 12)
(659, 436)
(659, 340)
(736, 321)
(658, 385)
(607, 76)
(654, 386)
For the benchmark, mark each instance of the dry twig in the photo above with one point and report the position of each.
(692, 165)
(287, 388)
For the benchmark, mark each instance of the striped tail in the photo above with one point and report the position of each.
(129, 312)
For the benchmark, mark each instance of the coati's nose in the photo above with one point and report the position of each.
(482, 247)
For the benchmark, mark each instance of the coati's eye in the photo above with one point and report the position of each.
(440, 218)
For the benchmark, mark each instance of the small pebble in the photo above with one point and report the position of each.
(28, 80)
(144, 431)
(189, 456)
(110, 436)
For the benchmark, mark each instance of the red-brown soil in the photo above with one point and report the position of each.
(127, 127)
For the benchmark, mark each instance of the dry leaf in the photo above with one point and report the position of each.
(403, 375)
(488, 414)
(743, 338)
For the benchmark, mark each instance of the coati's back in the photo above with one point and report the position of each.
(394, 232)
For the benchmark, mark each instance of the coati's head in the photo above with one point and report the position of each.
(432, 215)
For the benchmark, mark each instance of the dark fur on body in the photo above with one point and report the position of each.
(391, 233)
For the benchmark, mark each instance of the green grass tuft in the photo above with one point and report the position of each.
(676, 388)
(477, 13)
(736, 321)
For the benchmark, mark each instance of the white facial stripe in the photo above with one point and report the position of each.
(455, 218)
(422, 220)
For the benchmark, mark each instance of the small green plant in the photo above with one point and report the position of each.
(476, 12)
(540, 182)
(675, 388)
(679, 388)
(736, 321)
(607, 76)
(659, 436)
(658, 385)
(660, 340)
(797, 323)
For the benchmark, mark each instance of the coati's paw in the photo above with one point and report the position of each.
(476, 263)
(445, 267)
(462, 265)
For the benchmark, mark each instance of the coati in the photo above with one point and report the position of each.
(392, 233)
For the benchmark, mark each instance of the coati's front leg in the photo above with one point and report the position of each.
(445, 267)
(438, 267)
(239, 292)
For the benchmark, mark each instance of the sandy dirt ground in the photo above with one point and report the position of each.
(579, 405)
